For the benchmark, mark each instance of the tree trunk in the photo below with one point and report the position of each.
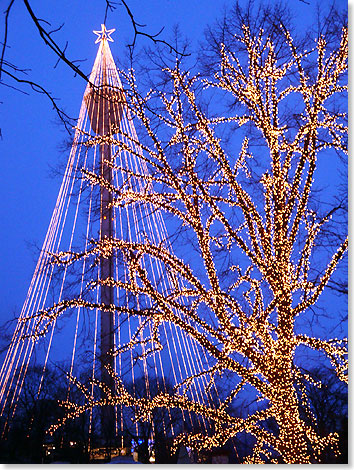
(292, 438)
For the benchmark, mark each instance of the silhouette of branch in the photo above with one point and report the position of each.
(110, 6)
(46, 36)
(138, 32)
(39, 89)
(4, 44)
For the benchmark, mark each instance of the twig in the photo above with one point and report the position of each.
(153, 37)
(39, 89)
(7, 12)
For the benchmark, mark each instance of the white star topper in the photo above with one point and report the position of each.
(104, 34)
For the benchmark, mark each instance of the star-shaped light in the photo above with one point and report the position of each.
(104, 34)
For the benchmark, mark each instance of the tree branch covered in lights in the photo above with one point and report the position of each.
(263, 228)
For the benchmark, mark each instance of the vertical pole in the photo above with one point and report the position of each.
(107, 296)
(106, 268)
(105, 107)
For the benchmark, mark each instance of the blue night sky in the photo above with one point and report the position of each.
(32, 137)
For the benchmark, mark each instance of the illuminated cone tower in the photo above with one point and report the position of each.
(78, 311)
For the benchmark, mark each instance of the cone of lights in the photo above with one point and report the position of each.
(77, 311)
